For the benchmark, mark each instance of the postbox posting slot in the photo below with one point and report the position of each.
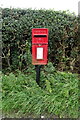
(40, 35)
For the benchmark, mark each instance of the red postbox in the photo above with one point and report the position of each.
(39, 46)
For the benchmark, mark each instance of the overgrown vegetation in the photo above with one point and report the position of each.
(58, 94)
(64, 37)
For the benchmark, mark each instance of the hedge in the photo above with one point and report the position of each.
(63, 38)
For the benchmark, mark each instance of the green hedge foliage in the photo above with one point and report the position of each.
(63, 37)
(57, 97)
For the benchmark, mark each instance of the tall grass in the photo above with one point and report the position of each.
(58, 94)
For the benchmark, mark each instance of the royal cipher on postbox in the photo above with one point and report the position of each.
(39, 46)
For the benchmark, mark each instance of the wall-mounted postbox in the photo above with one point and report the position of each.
(39, 46)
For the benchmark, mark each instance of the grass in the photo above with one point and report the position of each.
(58, 94)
